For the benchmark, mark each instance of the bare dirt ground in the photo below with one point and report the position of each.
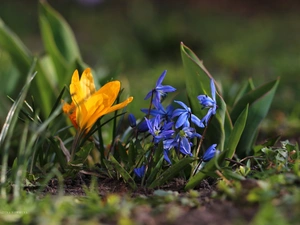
(207, 210)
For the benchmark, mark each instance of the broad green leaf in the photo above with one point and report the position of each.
(59, 40)
(252, 96)
(259, 101)
(155, 171)
(132, 154)
(236, 133)
(229, 174)
(125, 175)
(11, 43)
(172, 171)
(83, 153)
(245, 88)
(210, 167)
(121, 151)
(22, 58)
(197, 83)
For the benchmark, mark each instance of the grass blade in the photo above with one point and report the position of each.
(9, 125)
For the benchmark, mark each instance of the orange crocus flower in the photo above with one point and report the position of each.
(88, 105)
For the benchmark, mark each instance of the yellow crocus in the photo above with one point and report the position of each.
(88, 105)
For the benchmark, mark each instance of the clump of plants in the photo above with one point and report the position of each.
(193, 139)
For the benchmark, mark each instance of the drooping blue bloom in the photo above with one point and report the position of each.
(210, 153)
(132, 120)
(142, 127)
(140, 171)
(182, 140)
(160, 90)
(208, 102)
(184, 146)
(166, 156)
(159, 130)
(184, 115)
(165, 113)
(208, 115)
(167, 145)
(189, 132)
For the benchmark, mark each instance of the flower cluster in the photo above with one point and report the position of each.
(175, 128)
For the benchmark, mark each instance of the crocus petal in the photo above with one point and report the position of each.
(70, 110)
(119, 106)
(83, 88)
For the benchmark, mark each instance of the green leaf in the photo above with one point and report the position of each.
(122, 153)
(229, 174)
(125, 175)
(59, 41)
(11, 43)
(248, 86)
(198, 82)
(83, 153)
(236, 133)
(132, 154)
(172, 171)
(155, 171)
(22, 58)
(9, 125)
(259, 101)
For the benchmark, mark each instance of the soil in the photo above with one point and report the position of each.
(209, 210)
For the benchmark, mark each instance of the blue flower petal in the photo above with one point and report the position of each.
(140, 171)
(178, 112)
(161, 78)
(213, 89)
(183, 105)
(210, 153)
(182, 121)
(185, 146)
(197, 121)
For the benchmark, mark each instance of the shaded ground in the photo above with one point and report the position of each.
(170, 204)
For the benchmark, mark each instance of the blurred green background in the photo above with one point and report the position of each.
(136, 40)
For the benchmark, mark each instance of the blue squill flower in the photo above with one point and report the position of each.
(132, 120)
(165, 113)
(168, 144)
(210, 153)
(182, 140)
(159, 130)
(160, 90)
(208, 102)
(140, 171)
(184, 115)
(142, 126)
